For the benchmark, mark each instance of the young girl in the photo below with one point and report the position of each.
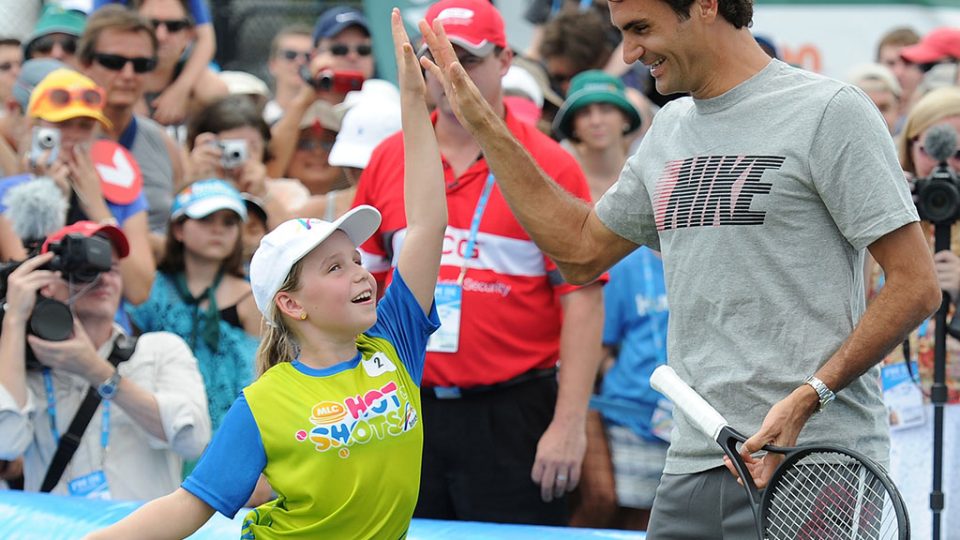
(333, 422)
(201, 294)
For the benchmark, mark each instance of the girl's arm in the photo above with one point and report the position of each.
(177, 515)
(423, 188)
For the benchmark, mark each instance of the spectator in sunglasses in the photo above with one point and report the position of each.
(341, 41)
(289, 52)
(55, 35)
(117, 50)
(179, 76)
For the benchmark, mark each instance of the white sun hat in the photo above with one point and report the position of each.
(292, 240)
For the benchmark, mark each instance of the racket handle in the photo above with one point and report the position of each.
(666, 381)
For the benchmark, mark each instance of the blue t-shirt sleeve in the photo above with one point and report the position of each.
(229, 468)
(200, 12)
(123, 212)
(11, 182)
(401, 321)
(198, 9)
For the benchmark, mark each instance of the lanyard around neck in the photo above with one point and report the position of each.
(475, 225)
(52, 413)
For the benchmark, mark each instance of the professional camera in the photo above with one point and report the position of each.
(233, 153)
(938, 196)
(79, 259)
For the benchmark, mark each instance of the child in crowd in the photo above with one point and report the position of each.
(333, 422)
(201, 294)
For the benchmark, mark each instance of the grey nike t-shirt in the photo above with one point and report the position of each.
(762, 201)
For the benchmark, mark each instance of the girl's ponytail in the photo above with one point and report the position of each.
(278, 343)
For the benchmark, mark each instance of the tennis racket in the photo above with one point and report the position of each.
(817, 492)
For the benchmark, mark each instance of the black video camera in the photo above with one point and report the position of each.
(79, 259)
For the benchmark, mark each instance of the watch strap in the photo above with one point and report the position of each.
(824, 393)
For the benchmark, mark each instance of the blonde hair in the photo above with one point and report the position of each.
(279, 342)
(931, 109)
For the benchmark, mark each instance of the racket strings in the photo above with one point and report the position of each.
(831, 496)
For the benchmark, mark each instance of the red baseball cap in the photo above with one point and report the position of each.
(474, 25)
(939, 44)
(88, 229)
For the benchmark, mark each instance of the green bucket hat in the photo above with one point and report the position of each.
(590, 87)
(56, 20)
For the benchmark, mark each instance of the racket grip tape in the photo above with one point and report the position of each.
(666, 381)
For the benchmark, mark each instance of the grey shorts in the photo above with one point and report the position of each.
(709, 505)
(637, 466)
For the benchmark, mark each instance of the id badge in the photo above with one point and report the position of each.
(902, 396)
(448, 298)
(91, 486)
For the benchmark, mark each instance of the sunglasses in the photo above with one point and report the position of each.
(173, 25)
(7, 66)
(116, 62)
(63, 97)
(340, 49)
(45, 44)
(291, 55)
(313, 144)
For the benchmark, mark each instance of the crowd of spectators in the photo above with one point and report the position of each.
(183, 168)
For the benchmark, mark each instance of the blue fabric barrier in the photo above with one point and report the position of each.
(36, 516)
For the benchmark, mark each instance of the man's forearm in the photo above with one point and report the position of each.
(553, 217)
(13, 372)
(889, 319)
(580, 352)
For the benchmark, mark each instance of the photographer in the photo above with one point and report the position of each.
(229, 140)
(153, 408)
(907, 385)
(65, 113)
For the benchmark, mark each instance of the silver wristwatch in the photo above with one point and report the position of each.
(108, 388)
(825, 394)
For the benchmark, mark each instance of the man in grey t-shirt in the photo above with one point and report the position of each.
(762, 190)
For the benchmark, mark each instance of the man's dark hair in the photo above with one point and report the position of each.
(739, 13)
(576, 36)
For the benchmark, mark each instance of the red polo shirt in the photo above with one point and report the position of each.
(511, 317)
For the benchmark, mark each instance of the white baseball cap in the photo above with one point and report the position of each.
(364, 127)
(292, 240)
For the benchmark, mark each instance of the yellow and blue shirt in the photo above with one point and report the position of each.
(341, 446)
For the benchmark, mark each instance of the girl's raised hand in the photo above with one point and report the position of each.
(409, 74)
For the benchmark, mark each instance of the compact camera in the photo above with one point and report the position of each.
(79, 259)
(45, 139)
(233, 153)
(340, 81)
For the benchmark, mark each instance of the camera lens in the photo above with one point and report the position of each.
(940, 201)
(51, 320)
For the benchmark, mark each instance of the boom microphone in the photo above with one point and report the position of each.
(940, 142)
(35, 208)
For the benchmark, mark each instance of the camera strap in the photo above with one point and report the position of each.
(123, 348)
